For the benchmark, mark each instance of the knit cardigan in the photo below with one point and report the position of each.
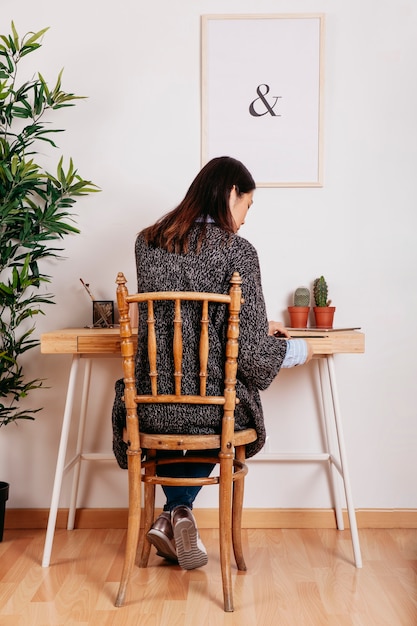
(209, 269)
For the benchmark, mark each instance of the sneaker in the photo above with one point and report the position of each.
(161, 536)
(191, 552)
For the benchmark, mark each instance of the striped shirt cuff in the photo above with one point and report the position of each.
(296, 353)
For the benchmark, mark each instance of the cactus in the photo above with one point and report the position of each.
(320, 292)
(302, 296)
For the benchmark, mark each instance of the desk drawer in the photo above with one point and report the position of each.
(92, 344)
(106, 344)
(332, 342)
(83, 341)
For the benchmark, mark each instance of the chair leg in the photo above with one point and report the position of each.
(133, 526)
(237, 508)
(148, 519)
(225, 529)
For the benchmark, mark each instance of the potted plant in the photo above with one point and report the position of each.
(35, 212)
(323, 312)
(301, 308)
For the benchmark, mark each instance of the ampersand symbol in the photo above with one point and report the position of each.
(269, 108)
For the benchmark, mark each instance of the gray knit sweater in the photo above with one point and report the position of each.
(260, 356)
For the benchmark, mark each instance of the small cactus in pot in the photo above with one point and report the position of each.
(323, 312)
(302, 296)
(320, 292)
(299, 312)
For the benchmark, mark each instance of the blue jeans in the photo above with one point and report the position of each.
(184, 495)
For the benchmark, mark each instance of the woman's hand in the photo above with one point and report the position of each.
(278, 330)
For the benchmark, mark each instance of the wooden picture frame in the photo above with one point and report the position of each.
(262, 95)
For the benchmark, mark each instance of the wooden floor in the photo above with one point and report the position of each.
(294, 578)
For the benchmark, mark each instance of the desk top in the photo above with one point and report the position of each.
(107, 341)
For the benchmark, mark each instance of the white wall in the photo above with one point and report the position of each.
(138, 137)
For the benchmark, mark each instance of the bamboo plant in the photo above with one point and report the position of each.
(36, 209)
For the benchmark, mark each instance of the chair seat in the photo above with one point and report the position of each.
(193, 442)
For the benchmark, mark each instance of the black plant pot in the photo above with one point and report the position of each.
(4, 494)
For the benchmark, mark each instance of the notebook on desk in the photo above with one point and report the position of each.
(325, 330)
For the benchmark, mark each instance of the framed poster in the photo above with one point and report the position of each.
(262, 84)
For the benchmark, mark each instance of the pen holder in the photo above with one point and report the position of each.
(103, 313)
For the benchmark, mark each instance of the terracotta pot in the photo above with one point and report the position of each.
(298, 316)
(324, 316)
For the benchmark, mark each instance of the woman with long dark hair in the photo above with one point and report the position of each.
(196, 247)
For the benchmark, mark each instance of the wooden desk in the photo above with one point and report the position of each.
(90, 343)
(107, 341)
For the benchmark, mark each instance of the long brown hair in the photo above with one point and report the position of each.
(207, 199)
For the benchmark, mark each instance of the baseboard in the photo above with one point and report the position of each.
(208, 518)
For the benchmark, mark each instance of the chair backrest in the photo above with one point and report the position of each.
(228, 398)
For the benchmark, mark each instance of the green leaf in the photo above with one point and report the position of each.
(36, 36)
(14, 162)
(15, 36)
(45, 88)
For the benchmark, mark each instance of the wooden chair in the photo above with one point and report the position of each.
(229, 446)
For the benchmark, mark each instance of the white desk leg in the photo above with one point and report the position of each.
(59, 471)
(329, 429)
(80, 441)
(343, 461)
